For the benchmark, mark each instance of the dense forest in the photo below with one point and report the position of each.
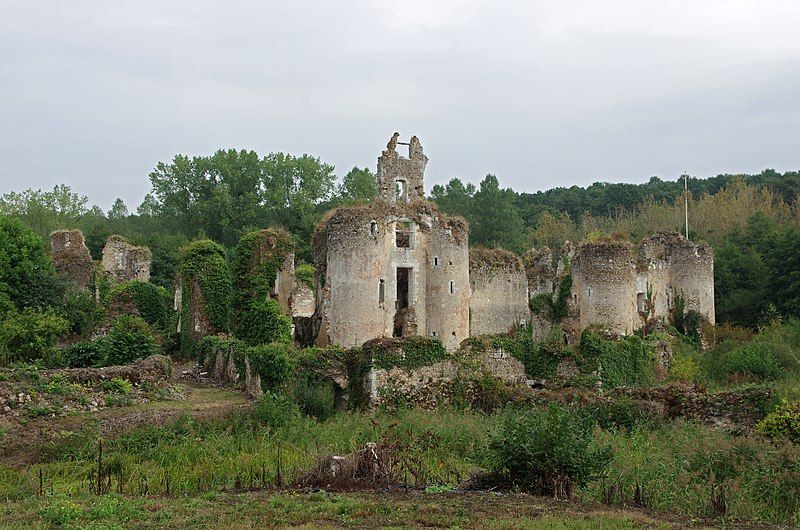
(752, 221)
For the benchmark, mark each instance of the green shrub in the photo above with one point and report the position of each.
(549, 451)
(262, 322)
(625, 361)
(783, 422)
(81, 311)
(273, 362)
(85, 354)
(315, 398)
(617, 413)
(753, 359)
(305, 273)
(130, 339)
(31, 335)
(684, 368)
(117, 385)
(276, 411)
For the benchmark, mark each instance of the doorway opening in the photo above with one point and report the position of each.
(403, 279)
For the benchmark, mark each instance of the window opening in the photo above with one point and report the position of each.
(400, 190)
(452, 287)
(641, 302)
(373, 228)
(402, 234)
(382, 292)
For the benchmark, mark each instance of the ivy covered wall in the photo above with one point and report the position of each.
(206, 291)
(257, 261)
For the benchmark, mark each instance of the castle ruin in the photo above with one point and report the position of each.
(621, 287)
(399, 267)
(394, 268)
(71, 258)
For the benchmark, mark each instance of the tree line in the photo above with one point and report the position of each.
(751, 220)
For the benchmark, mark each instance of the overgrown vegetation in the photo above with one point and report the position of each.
(408, 352)
(255, 263)
(205, 273)
(548, 452)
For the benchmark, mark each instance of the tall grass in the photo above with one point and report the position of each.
(677, 465)
(188, 457)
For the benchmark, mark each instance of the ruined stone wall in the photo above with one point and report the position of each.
(676, 266)
(71, 258)
(604, 285)
(124, 262)
(654, 277)
(393, 168)
(447, 261)
(284, 284)
(302, 300)
(199, 323)
(539, 270)
(499, 291)
(692, 276)
(350, 258)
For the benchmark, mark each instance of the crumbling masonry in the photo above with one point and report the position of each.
(621, 287)
(125, 262)
(399, 267)
(71, 258)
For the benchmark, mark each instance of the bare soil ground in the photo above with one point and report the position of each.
(26, 441)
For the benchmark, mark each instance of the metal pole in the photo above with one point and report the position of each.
(686, 201)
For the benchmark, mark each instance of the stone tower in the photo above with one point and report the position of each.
(395, 268)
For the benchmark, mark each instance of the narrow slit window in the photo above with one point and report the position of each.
(452, 287)
(373, 228)
(381, 291)
(436, 261)
(433, 334)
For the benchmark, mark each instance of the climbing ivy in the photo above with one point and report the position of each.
(626, 361)
(205, 262)
(255, 263)
(151, 301)
(409, 352)
(557, 307)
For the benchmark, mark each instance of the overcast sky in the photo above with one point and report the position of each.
(94, 93)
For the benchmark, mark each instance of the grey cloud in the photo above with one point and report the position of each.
(542, 94)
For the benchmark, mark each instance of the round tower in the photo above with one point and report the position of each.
(604, 285)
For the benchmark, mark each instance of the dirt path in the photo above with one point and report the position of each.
(27, 441)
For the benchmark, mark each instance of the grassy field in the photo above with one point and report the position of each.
(321, 509)
(163, 471)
